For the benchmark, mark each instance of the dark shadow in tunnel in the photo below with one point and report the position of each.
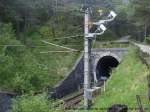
(104, 67)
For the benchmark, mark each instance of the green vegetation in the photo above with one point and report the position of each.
(38, 103)
(127, 81)
(110, 45)
(148, 39)
(133, 15)
(24, 68)
(27, 65)
(31, 104)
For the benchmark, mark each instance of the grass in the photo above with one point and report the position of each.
(127, 81)
(110, 45)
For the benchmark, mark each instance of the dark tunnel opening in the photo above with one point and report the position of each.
(105, 66)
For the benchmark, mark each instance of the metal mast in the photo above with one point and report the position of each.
(88, 38)
(87, 43)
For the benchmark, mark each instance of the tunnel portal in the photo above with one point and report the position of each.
(105, 66)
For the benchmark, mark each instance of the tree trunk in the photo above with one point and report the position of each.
(17, 29)
(145, 32)
(53, 32)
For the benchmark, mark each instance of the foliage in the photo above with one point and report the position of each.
(24, 69)
(38, 103)
(45, 31)
(148, 39)
(121, 26)
(133, 17)
(25, 13)
(127, 81)
(141, 12)
(110, 45)
(28, 103)
(19, 68)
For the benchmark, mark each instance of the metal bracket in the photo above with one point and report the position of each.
(89, 93)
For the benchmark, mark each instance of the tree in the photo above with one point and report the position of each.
(141, 15)
(25, 14)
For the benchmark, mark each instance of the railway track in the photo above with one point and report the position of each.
(70, 102)
(73, 102)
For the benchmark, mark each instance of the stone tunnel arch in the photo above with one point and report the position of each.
(104, 65)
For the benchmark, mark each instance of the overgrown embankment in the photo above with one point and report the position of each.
(127, 81)
(24, 69)
(27, 65)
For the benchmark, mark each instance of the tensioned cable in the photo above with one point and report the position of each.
(71, 51)
(12, 45)
(73, 45)
(59, 46)
(94, 39)
(69, 37)
(6, 45)
(37, 46)
(60, 52)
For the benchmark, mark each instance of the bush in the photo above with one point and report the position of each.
(31, 104)
(45, 32)
(148, 39)
(39, 103)
(19, 68)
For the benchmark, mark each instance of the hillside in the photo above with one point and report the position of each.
(26, 67)
(127, 81)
